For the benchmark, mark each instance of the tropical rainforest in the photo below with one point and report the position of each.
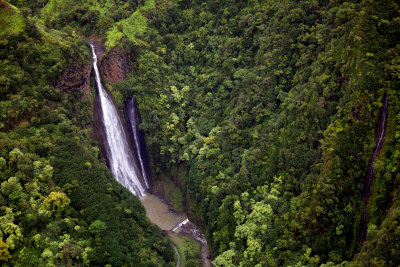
(264, 113)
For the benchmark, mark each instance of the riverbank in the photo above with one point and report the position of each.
(179, 249)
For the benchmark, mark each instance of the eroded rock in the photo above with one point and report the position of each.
(115, 66)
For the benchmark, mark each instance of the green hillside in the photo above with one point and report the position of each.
(59, 204)
(264, 112)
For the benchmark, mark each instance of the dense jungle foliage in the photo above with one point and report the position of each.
(267, 108)
(59, 204)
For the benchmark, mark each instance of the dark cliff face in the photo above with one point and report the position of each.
(115, 65)
(76, 79)
(99, 132)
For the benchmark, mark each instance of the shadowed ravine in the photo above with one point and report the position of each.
(369, 177)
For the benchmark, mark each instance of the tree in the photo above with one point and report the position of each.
(56, 201)
(4, 254)
(97, 227)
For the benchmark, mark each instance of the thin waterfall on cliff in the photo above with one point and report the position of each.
(133, 119)
(369, 177)
(119, 154)
(381, 127)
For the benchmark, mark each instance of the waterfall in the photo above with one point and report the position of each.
(379, 141)
(119, 154)
(133, 119)
(129, 165)
(369, 177)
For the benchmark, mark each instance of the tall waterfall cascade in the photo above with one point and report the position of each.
(121, 160)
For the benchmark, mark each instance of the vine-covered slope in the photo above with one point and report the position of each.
(271, 106)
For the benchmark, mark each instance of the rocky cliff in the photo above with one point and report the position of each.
(76, 79)
(115, 65)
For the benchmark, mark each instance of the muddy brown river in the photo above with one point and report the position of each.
(160, 214)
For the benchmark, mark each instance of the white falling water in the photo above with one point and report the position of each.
(121, 160)
(135, 132)
(370, 172)
(185, 221)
